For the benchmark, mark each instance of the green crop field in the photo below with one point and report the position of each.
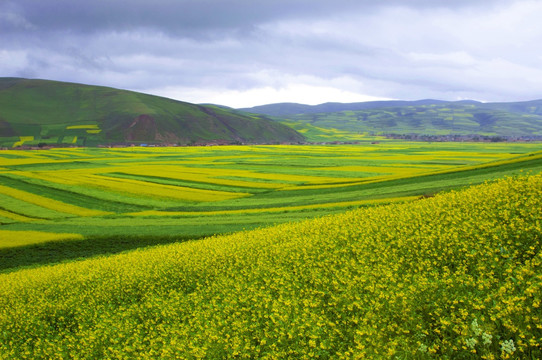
(63, 204)
(380, 250)
(454, 276)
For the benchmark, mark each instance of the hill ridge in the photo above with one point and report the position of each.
(422, 117)
(35, 111)
(289, 108)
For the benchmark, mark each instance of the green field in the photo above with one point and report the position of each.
(63, 204)
(454, 276)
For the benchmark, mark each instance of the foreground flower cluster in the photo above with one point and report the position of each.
(458, 275)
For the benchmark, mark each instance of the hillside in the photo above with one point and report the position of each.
(48, 112)
(286, 109)
(455, 276)
(424, 117)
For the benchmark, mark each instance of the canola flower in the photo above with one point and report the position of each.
(456, 276)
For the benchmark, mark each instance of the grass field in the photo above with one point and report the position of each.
(111, 200)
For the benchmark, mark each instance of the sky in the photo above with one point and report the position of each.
(242, 53)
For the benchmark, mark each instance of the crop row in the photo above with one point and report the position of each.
(47, 203)
(11, 239)
(344, 204)
(140, 188)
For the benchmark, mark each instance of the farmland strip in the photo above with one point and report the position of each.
(49, 203)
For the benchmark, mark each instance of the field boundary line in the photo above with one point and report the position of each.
(274, 209)
(50, 203)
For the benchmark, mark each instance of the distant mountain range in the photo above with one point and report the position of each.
(422, 117)
(285, 109)
(44, 112)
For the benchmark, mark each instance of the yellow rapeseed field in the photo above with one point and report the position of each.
(88, 178)
(143, 188)
(11, 239)
(13, 216)
(455, 276)
(195, 174)
(49, 203)
(22, 140)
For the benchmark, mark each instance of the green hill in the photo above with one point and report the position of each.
(424, 117)
(285, 109)
(49, 112)
(455, 276)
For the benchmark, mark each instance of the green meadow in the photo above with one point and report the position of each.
(70, 203)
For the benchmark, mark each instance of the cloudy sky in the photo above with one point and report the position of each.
(251, 52)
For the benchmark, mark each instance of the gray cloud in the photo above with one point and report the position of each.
(190, 18)
(199, 49)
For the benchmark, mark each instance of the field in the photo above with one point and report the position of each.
(454, 276)
(63, 204)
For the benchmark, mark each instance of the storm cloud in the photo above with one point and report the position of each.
(244, 53)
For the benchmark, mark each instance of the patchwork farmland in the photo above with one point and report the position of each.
(455, 276)
(110, 200)
(376, 250)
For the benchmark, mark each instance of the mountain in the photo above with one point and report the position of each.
(50, 112)
(423, 117)
(285, 109)
(522, 107)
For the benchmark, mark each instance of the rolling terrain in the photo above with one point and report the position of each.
(423, 117)
(380, 249)
(43, 112)
(374, 250)
(455, 276)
